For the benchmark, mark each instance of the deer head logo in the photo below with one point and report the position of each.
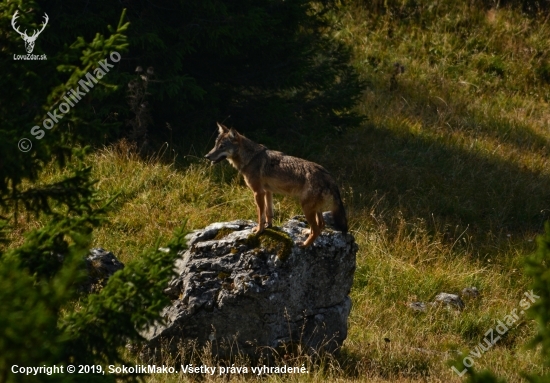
(29, 40)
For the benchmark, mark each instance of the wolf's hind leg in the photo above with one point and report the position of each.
(315, 231)
(269, 208)
(320, 220)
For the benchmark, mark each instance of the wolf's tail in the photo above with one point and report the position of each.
(338, 212)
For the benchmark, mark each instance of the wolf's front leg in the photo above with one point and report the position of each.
(259, 198)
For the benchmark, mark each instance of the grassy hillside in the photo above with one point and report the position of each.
(447, 185)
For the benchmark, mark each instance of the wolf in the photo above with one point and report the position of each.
(267, 171)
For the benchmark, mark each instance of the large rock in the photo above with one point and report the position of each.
(256, 294)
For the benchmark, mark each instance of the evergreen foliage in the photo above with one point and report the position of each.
(46, 319)
(34, 88)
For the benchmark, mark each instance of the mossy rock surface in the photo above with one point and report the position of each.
(223, 232)
(272, 240)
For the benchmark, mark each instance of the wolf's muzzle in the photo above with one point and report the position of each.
(216, 160)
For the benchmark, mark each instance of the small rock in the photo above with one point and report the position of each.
(101, 265)
(470, 292)
(417, 306)
(450, 300)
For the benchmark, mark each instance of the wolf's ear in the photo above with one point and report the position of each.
(233, 134)
(221, 129)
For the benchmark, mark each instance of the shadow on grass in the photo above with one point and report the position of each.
(431, 175)
(421, 177)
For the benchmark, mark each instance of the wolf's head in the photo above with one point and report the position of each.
(227, 145)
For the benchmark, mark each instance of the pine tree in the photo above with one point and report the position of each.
(46, 318)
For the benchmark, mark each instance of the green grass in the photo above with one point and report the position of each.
(446, 184)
